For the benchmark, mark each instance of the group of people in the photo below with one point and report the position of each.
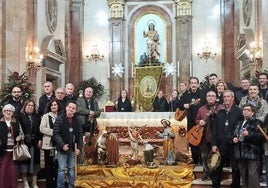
(56, 127)
(231, 118)
(234, 122)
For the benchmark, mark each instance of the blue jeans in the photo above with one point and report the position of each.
(65, 160)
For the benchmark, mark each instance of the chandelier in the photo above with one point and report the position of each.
(254, 52)
(95, 54)
(34, 58)
(207, 52)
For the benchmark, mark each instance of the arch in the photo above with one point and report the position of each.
(152, 9)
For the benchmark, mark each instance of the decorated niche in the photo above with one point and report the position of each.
(150, 40)
(52, 15)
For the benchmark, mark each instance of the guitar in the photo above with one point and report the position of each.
(195, 134)
(181, 114)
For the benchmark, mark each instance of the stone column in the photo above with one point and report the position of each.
(73, 34)
(116, 31)
(264, 27)
(184, 38)
(230, 67)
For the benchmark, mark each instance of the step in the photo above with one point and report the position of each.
(226, 180)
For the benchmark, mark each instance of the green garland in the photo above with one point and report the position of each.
(98, 88)
(22, 81)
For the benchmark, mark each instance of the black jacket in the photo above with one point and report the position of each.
(43, 100)
(124, 106)
(4, 131)
(160, 105)
(222, 134)
(65, 132)
(251, 147)
(32, 133)
(190, 97)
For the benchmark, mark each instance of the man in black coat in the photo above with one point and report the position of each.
(222, 134)
(191, 101)
(67, 132)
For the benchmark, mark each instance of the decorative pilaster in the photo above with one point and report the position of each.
(73, 37)
(116, 26)
(184, 38)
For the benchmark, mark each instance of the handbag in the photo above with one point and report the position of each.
(21, 152)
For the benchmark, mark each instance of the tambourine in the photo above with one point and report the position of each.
(214, 160)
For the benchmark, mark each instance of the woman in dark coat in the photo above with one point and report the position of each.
(123, 102)
(9, 135)
(30, 123)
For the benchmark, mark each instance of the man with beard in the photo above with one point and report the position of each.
(191, 101)
(16, 100)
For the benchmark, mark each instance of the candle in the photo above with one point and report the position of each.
(132, 69)
(108, 73)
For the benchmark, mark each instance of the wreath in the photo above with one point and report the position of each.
(97, 87)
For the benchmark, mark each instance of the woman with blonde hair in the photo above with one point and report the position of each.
(220, 87)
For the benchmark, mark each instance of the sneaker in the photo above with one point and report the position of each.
(26, 184)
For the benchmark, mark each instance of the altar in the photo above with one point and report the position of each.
(180, 175)
(149, 122)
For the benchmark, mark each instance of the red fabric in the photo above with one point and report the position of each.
(109, 108)
(8, 171)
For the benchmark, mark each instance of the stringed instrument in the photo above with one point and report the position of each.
(195, 134)
(181, 114)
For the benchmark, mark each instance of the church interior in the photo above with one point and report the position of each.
(142, 46)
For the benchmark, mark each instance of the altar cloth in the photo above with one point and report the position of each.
(99, 176)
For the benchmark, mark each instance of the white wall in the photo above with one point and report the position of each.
(206, 27)
(96, 31)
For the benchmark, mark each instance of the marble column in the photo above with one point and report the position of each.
(116, 26)
(184, 46)
(230, 67)
(74, 23)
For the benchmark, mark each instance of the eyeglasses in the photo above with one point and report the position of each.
(9, 111)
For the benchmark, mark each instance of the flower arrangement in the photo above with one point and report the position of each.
(21, 81)
(97, 87)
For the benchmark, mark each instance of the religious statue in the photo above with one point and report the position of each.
(152, 42)
(112, 149)
(135, 138)
(168, 136)
(101, 147)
